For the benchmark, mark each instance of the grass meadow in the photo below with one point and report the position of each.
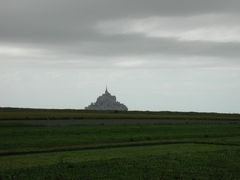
(186, 151)
(54, 114)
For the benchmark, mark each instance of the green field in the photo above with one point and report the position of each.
(186, 151)
(54, 114)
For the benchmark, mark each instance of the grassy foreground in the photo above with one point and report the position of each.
(24, 138)
(154, 162)
(120, 151)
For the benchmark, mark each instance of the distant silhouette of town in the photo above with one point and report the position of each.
(107, 102)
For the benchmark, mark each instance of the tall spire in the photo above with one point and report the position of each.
(106, 91)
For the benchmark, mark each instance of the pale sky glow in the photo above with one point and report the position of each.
(15, 51)
(174, 55)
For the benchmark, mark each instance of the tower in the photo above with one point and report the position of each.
(106, 91)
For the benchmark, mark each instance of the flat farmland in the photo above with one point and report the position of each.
(174, 151)
(71, 114)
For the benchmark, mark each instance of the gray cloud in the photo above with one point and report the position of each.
(56, 20)
(166, 46)
(69, 26)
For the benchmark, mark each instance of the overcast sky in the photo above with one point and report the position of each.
(176, 55)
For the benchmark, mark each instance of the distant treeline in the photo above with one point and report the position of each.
(54, 114)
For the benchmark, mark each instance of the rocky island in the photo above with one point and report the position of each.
(107, 102)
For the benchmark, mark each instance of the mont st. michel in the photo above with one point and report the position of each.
(107, 102)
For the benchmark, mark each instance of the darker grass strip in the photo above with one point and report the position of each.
(106, 146)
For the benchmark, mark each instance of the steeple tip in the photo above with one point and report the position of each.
(106, 91)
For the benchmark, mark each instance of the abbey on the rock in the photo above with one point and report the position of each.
(107, 102)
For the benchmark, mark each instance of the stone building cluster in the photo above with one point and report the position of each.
(107, 102)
